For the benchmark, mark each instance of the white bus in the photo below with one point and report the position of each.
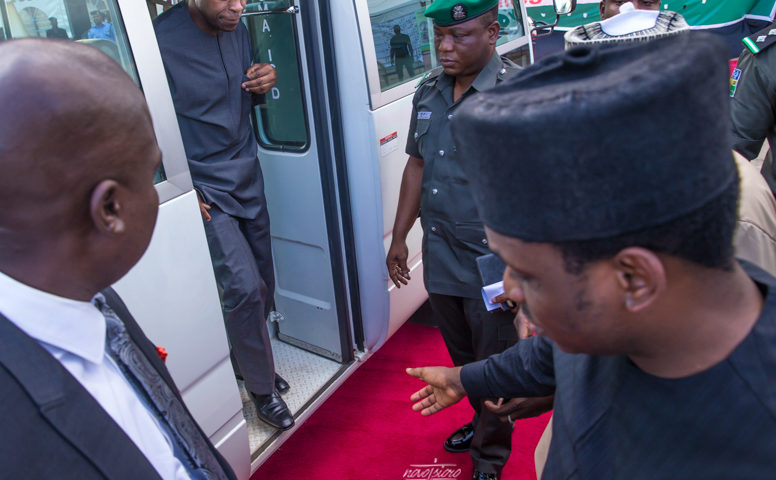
(331, 145)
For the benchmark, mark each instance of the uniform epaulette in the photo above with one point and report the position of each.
(761, 40)
(430, 75)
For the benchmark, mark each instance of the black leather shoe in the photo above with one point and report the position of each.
(460, 440)
(273, 410)
(281, 385)
(485, 476)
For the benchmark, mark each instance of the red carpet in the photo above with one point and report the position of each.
(366, 429)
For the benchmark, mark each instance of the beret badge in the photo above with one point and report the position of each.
(458, 12)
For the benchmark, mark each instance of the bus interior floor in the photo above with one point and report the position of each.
(306, 372)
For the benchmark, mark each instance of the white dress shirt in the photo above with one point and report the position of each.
(74, 333)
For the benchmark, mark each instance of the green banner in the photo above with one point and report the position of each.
(701, 13)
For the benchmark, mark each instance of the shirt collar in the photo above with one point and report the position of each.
(71, 325)
(487, 77)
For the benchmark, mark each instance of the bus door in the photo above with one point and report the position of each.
(304, 197)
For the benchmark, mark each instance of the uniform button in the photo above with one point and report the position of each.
(455, 149)
(484, 241)
(502, 71)
(433, 229)
(434, 191)
(449, 117)
(416, 135)
(441, 153)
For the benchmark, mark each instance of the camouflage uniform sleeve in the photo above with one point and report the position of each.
(753, 101)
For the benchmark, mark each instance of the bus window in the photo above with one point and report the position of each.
(92, 22)
(280, 123)
(511, 21)
(403, 37)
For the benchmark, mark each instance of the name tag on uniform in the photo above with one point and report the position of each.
(424, 115)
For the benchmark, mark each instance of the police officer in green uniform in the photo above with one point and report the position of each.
(753, 92)
(465, 35)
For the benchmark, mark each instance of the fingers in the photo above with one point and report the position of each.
(398, 281)
(496, 408)
(205, 214)
(428, 405)
(398, 276)
(431, 410)
(257, 86)
(263, 77)
(500, 298)
(422, 396)
(259, 69)
(203, 209)
(398, 271)
(425, 401)
(423, 393)
(503, 411)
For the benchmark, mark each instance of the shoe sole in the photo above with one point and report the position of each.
(273, 425)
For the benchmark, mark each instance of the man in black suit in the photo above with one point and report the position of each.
(659, 346)
(78, 155)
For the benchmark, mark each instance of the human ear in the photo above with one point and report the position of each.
(602, 8)
(105, 207)
(641, 277)
(493, 30)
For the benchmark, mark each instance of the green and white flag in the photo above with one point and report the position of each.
(698, 13)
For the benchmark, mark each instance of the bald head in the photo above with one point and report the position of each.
(71, 120)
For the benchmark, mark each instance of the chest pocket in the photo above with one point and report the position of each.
(421, 127)
(421, 133)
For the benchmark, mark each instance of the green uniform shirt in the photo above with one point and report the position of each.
(453, 235)
(753, 104)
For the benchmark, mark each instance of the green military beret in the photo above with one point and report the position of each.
(452, 12)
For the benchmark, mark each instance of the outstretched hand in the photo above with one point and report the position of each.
(444, 389)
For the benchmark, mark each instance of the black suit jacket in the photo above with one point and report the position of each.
(51, 427)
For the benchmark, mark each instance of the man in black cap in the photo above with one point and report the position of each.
(660, 347)
(465, 35)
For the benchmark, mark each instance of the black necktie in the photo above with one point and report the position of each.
(189, 446)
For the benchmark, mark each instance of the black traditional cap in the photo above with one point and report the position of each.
(595, 142)
(452, 12)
